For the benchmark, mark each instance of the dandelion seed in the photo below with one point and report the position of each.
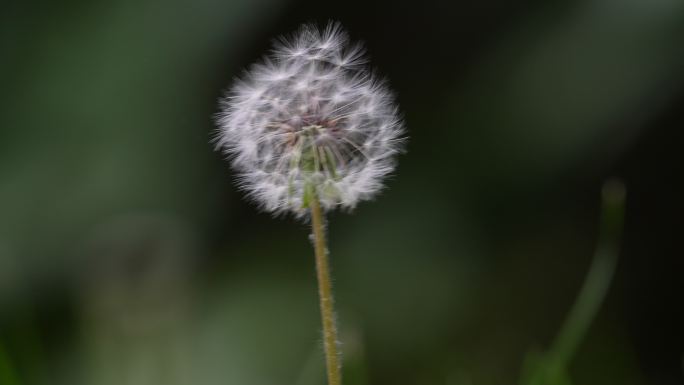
(310, 118)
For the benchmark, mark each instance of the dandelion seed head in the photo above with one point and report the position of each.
(310, 120)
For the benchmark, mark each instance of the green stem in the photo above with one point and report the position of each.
(332, 358)
(598, 280)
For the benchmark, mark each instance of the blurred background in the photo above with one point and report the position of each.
(128, 257)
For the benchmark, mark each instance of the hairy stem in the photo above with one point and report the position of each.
(332, 358)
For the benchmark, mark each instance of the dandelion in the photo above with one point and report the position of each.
(308, 129)
(309, 121)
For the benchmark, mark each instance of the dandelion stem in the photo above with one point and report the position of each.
(332, 358)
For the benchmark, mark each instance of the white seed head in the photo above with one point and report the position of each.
(310, 121)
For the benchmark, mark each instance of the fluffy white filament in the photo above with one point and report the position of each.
(310, 121)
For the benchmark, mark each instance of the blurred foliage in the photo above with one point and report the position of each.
(552, 367)
(127, 257)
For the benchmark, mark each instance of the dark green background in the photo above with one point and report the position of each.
(127, 257)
